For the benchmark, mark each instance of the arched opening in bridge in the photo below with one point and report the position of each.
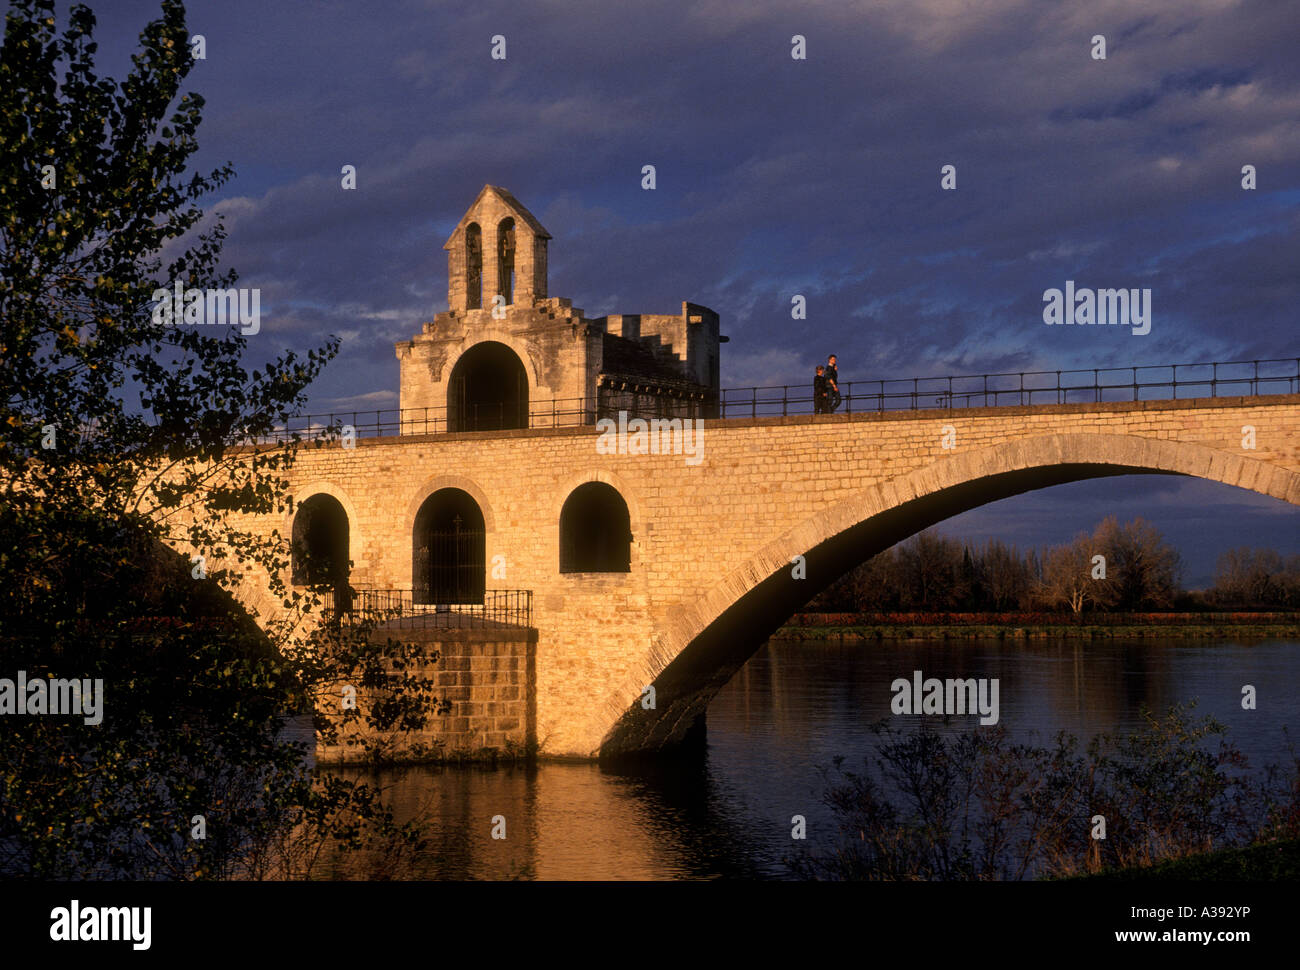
(506, 259)
(319, 549)
(448, 550)
(488, 390)
(474, 266)
(595, 531)
(731, 619)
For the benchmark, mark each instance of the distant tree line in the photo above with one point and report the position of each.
(1247, 578)
(1115, 568)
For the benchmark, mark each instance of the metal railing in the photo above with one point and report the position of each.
(397, 608)
(1095, 385)
(560, 413)
(1279, 375)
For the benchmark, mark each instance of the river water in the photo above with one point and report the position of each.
(780, 722)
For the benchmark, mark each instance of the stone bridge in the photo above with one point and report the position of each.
(698, 572)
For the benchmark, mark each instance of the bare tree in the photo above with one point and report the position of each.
(878, 583)
(1231, 575)
(1005, 573)
(1258, 577)
(1071, 576)
(931, 565)
(1144, 568)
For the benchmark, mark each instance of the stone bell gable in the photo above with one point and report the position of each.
(498, 247)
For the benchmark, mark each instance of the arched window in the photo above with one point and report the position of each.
(474, 266)
(487, 390)
(448, 549)
(595, 531)
(319, 550)
(506, 259)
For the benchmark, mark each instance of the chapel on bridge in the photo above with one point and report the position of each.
(505, 354)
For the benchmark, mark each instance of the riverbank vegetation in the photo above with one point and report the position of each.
(974, 805)
(121, 439)
(1040, 626)
(1118, 580)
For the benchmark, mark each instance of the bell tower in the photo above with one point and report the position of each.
(540, 361)
(498, 249)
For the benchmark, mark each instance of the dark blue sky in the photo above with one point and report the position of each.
(777, 177)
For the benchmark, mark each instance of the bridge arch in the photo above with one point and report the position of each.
(706, 639)
(302, 493)
(411, 520)
(439, 482)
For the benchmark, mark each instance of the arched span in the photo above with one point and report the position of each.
(448, 550)
(708, 638)
(439, 482)
(320, 547)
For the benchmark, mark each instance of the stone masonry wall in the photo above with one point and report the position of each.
(699, 531)
(488, 677)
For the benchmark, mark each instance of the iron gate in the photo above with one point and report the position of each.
(451, 566)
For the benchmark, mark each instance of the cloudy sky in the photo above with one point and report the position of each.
(777, 177)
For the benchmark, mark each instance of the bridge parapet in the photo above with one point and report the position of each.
(1194, 381)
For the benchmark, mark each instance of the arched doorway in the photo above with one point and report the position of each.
(448, 546)
(595, 531)
(320, 547)
(488, 390)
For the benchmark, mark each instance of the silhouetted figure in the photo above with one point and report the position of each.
(821, 392)
(832, 384)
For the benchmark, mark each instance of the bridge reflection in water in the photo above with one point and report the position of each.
(786, 714)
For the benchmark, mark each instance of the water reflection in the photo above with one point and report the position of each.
(784, 716)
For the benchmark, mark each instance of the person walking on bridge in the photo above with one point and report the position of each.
(821, 395)
(832, 384)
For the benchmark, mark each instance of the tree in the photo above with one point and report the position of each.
(1231, 575)
(122, 441)
(1145, 568)
(878, 584)
(931, 566)
(1068, 576)
(1247, 577)
(1006, 575)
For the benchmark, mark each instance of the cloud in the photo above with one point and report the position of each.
(775, 176)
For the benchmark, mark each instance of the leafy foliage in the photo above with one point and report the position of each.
(155, 433)
(975, 806)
